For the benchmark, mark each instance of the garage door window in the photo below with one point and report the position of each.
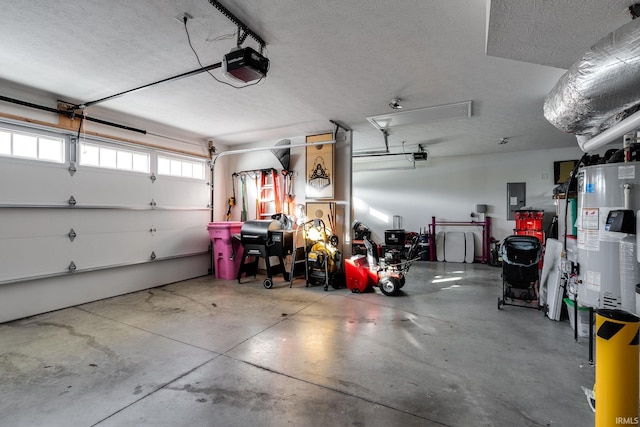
(113, 158)
(180, 167)
(31, 146)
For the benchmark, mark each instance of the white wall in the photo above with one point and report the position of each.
(226, 166)
(265, 159)
(449, 188)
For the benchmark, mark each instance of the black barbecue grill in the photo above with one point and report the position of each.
(264, 239)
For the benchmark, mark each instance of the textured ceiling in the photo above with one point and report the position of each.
(551, 32)
(330, 60)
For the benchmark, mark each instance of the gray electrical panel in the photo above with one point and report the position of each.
(516, 197)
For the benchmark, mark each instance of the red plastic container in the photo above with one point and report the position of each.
(227, 251)
(528, 220)
(356, 271)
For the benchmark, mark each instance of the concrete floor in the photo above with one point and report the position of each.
(208, 352)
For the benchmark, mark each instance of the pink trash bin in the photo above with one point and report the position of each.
(227, 251)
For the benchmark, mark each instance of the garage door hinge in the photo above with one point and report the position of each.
(153, 177)
(72, 201)
(72, 267)
(72, 169)
(153, 256)
(72, 234)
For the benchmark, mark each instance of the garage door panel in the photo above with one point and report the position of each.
(12, 222)
(33, 256)
(34, 183)
(180, 242)
(105, 187)
(92, 221)
(120, 217)
(171, 192)
(176, 219)
(105, 249)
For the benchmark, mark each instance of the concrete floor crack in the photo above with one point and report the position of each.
(335, 390)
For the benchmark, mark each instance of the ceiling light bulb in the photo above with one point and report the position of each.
(395, 104)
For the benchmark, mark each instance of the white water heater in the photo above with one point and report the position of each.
(602, 189)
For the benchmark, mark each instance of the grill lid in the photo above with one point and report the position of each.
(257, 231)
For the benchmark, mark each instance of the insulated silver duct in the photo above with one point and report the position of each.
(601, 89)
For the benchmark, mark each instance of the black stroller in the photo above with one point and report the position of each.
(520, 273)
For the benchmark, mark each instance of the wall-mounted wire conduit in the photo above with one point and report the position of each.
(68, 272)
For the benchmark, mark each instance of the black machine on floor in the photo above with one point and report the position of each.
(520, 271)
(264, 239)
(322, 258)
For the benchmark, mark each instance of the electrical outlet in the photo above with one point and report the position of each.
(181, 16)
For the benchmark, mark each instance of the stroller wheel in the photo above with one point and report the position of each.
(268, 283)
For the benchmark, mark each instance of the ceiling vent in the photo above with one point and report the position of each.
(422, 115)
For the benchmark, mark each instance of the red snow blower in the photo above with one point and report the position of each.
(362, 272)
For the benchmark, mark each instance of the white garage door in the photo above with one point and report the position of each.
(89, 208)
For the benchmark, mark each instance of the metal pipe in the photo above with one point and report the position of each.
(31, 105)
(378, 169)
(93, 269)
(275, 147)
(253, 150)
(627, 195)
(67, 113)
(365, 153)
(379, 154)
(168, 79)
(627, 125)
